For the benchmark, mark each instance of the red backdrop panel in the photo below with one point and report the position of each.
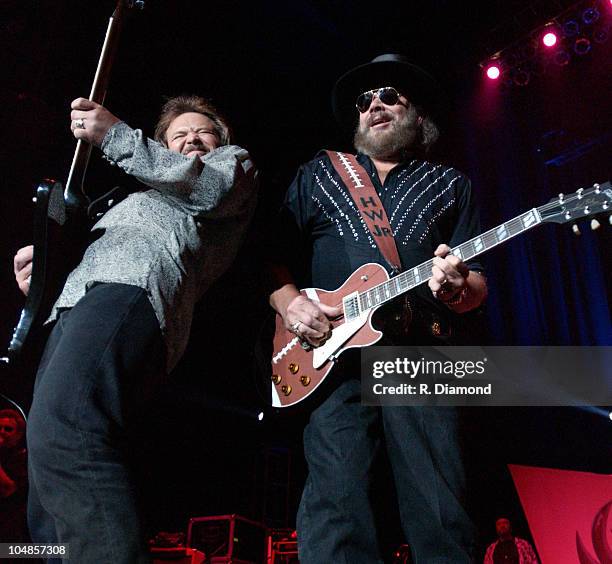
(569, 513)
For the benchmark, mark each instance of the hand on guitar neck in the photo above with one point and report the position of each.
(22, 267)
(90, 121)
(454, 284)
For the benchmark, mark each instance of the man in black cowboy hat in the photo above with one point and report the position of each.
(429, 209)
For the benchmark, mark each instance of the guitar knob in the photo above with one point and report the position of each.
(576, 229)
(276, 379)
(595, 224)
(294, 368)
(286, 389)
(305, 380)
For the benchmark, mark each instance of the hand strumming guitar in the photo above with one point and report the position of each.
(306, 318)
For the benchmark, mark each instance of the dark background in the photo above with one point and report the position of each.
(270, 67)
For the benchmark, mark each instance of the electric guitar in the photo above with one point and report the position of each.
(60, 218)
(297, 369)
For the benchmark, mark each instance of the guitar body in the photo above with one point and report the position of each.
(297, 372)
(56, 229)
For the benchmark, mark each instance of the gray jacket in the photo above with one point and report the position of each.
(173, 240)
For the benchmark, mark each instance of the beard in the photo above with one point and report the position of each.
(395, 142)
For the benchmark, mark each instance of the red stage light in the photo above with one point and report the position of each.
(493, 72)
(549, 39)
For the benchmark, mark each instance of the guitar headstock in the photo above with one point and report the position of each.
(126, 5)
(583, 203)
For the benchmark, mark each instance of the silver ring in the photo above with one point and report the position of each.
(294, 326)
(79, 123)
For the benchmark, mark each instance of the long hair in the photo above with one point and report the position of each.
(178, 105)
(429, 134)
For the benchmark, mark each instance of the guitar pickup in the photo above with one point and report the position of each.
(351, 307)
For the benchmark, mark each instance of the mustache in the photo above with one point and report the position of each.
(192, 147)
(378, 116)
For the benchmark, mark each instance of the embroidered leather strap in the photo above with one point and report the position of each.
(367, 200)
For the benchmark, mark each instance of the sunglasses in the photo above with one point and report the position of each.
(387, 95)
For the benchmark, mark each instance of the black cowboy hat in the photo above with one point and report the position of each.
(387, 70)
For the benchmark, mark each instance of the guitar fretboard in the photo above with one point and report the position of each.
(420, 274)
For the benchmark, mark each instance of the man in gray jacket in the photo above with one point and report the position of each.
(123, 318)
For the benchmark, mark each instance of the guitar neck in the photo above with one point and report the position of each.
(409, 279)
(74, 194)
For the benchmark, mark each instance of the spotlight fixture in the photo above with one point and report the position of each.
(561, 58)
(564, 37)
(571, 28)
(493, 71)
(582, 46)
(549, 39)
(590, 15)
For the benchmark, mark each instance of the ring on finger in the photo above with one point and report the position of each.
(295, 327)
(445, 286)
(79, 123)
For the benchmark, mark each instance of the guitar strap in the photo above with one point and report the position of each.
(360, 186)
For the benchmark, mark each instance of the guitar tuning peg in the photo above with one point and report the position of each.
(576, 229)
(595, 224)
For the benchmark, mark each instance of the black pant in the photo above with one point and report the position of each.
(335, 520)
(103, 358)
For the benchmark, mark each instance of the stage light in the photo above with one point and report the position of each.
(493, 72)
(260, 416)
(561, 57)
(549, 39)
(590, 16)
(571, 28)
(582, 46)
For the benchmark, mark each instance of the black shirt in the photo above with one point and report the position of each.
(322, 238)
(427, 204)
(506, 552)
